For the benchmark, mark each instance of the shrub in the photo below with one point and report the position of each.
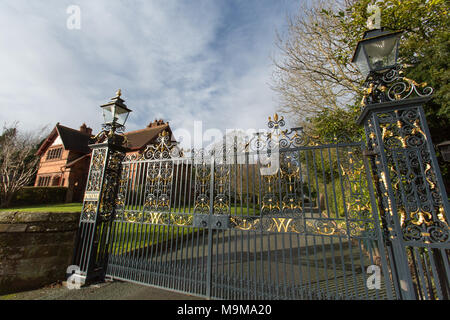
(39, 195)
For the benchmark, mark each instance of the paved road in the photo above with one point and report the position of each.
(116, 290)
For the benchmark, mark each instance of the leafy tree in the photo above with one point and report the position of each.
(337, 123)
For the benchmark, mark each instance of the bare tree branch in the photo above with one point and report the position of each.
(310, 74)
(18, 163)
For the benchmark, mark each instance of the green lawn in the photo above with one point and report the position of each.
(130, 236)
(57, 207)
(76, 207)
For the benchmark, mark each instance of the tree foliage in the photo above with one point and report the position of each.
(336, 123)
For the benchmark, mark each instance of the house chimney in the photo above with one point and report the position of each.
(85, 129)
(155, 123)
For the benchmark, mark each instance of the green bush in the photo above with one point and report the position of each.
(39, 195)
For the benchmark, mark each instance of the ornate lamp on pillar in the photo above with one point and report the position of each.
(115, 114)
(411, 194)
(91, 252)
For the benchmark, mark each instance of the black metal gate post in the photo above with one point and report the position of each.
(210, 231)
(98, 209)
(411, 195)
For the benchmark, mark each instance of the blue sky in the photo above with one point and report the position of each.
(207, 60)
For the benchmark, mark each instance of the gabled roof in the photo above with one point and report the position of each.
(78, 141)
(72, 140)
(138, 139)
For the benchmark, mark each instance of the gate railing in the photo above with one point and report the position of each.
(208, 198)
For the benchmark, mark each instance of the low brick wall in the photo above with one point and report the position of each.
(35, 248)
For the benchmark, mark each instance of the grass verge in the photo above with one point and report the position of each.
(51, 207)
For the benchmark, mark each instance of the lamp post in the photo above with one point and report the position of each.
(91, 251)
(412, 199)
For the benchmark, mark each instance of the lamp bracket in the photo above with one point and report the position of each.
(390, 85)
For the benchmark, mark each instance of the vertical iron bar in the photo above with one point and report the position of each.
(211, 212)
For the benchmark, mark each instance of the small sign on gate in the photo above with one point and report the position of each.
(91, 195)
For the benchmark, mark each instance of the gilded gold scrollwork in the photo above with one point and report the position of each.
(413, 184)
(89, 209)
(181, 219)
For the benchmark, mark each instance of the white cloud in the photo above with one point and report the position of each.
(177, 60)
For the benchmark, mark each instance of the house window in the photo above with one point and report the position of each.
(56, 181)
(43, 181)
(54, 154)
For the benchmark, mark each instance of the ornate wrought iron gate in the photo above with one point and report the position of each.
(225, 231)
(306, 225)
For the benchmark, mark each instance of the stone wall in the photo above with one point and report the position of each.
(35, 248)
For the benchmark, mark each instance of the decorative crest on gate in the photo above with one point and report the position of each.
(279, 137)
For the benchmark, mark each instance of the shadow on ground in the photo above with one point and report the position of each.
(116, 290)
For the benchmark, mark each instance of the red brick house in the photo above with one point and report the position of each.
(65, 155)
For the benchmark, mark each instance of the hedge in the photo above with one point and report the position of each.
(39, 195)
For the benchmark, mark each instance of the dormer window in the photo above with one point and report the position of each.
(54, 154)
